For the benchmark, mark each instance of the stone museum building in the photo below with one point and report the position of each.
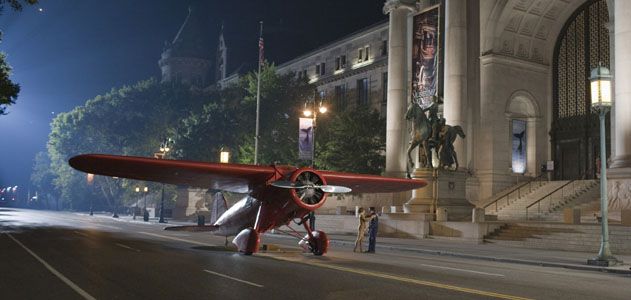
(514, 76)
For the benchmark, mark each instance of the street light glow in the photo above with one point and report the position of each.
(146, 189)
(323, 109)
(307, 113)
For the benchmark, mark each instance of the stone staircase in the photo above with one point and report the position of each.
(550, 198)
(584, 237)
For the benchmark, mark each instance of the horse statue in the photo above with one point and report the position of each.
(446, 152)
(419, 135)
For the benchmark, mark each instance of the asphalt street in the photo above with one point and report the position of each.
(63, 255)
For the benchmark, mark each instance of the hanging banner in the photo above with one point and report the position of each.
(519, 146)
(425, 45)
(305, 139)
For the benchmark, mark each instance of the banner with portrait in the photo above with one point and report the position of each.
(425, 56)
(519, 145)
(305, 138)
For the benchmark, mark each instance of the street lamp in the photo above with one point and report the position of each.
(224, 155)
(90, 179)
(135, 207)
(311, 112)
(600, 80)
(165, 147)
(145, 214)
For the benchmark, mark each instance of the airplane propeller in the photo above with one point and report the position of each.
(325, 188)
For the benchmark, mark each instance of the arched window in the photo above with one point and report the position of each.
(522, 113)
(583, 42)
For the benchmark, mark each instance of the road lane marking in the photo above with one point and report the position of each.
(405, 279)
(63, 278)
(126, 247)
(462, 270)
(177, 239)
(235, 279)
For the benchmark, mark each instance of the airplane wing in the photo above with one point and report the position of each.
(363, 183)
(228, 177)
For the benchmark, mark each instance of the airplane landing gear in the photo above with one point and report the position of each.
(247, 241)
(319, 243)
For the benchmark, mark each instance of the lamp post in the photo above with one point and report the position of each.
(600, 80)
(165, 147)
(135, 207)
(145, 214)
(311, 112)
(90, 179)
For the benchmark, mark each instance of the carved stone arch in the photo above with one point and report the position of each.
(522, 104)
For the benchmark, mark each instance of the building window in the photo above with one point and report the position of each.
(363, 54)
(340, 62)
(340, 97)
(320, 69)
(384, 48)
(362, 91)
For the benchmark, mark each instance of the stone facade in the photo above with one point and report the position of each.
(347, 72)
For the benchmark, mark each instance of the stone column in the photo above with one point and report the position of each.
(622, 86)
(455, 95)
(397, 84)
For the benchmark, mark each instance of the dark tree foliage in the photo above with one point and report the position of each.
(16, 4)
(353, 141)
(131, 120)
(281, 104)
(8, 90)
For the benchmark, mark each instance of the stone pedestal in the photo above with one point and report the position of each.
(422, 200)
(445, 190)
(191, 202)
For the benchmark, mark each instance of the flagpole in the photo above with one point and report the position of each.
(258, 97)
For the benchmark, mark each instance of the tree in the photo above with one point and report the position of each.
(132, 120)
(16, 4)
(355, 141)
(42, 181)
(8, 90)
(202, 134)
(282, 97)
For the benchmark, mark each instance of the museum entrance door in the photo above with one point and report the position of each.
(582, 44)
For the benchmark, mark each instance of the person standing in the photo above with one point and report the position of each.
(361, 229)
(372, 230)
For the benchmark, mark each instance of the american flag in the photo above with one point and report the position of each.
(261, 48)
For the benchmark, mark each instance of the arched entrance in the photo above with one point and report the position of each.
(583, 42)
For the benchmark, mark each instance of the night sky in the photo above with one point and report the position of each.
(73, 50)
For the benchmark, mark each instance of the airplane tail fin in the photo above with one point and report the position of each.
(219, 207)
(192, 228)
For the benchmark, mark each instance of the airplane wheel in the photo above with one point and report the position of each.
(247, 241)
(320, 243)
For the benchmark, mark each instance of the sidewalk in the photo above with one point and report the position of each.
(487, 251)
(443, 247)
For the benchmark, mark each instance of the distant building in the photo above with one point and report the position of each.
(188, 57)
(349, 72)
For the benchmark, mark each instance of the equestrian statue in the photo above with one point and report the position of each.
(431, 132)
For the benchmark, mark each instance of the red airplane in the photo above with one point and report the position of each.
(276, 195)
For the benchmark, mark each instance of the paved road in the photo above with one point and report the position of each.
(53, 255)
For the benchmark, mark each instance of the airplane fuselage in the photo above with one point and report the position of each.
(276, 209)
